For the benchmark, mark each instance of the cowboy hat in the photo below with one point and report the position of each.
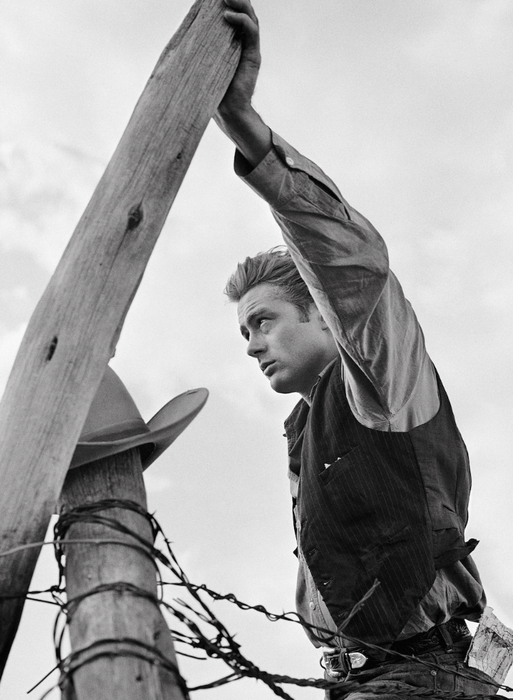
(114, 423)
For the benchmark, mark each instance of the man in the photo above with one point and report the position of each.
(379, 472)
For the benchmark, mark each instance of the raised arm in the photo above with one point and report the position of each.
(390, 381)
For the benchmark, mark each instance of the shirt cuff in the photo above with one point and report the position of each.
(274, 178)
(269, 179)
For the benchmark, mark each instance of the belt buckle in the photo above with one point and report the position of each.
(338, 663)
(332, 663)
(356, 660)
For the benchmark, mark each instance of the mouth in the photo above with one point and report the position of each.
(266, 366)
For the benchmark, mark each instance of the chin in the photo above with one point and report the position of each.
(282, 387)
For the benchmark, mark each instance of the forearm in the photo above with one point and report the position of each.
(247, 130)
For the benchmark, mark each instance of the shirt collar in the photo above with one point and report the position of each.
(310, 396)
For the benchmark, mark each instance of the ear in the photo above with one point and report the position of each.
(316, 314)
(324, 325)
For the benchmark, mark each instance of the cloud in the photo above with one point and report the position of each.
(45, 190)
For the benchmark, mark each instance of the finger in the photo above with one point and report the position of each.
(242, 6)
(241, 21)
(245, 27)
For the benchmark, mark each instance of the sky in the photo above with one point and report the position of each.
(407, 105)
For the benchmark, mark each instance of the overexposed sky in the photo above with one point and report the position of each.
(407, 105)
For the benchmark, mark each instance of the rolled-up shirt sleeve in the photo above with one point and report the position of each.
(390, 380)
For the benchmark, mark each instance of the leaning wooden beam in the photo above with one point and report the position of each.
(121, 646)
(73, 331)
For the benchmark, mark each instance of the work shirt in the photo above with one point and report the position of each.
(389, 379)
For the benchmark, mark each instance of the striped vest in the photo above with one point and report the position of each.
(376, 505)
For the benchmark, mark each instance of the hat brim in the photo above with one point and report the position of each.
(164, 428)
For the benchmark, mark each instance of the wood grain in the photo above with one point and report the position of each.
(74, 329)
(126, 668)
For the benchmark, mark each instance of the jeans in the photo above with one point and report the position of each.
(396, 680)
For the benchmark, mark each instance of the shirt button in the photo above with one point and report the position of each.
(289, 161)
(312, 605)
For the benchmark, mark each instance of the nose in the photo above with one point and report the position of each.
(256, 345)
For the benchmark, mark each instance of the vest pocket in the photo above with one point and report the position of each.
(359, 501)
(337, 467)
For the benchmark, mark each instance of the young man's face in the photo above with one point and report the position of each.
(291, 352)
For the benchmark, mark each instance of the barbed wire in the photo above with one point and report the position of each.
(218, 643)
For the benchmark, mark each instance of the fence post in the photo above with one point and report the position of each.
(74, 329)
(121, 646)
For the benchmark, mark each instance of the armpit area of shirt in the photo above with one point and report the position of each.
(421, 406)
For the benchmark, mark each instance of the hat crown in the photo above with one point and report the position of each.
(114, 424)
(113, 414)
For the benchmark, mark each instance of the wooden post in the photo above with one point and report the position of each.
(126, 668)
(73, 331)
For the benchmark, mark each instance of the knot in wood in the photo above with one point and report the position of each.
(51, 349)
(134, 218)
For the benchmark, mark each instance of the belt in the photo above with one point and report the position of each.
(440, 636)
(340, 662)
